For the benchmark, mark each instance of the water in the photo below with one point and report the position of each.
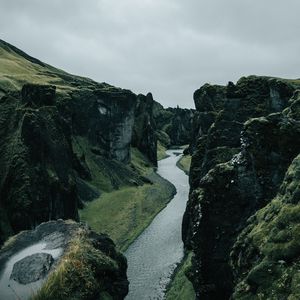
(12, 290)
(153, 257)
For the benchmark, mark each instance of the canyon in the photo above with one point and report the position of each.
(81, 173)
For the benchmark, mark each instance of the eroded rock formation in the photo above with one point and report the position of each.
(246, 140)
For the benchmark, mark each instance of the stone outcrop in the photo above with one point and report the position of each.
(106, 117)
(245, 144)
(173, 125)
(32, 268)
(144, 136)
(37, 180)
(87, 267)
(64, 143)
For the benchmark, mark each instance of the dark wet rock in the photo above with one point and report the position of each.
(245, 143)
(32, 268)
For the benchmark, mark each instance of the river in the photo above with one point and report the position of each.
(154, 255)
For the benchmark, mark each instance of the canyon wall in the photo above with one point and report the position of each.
(245, 138)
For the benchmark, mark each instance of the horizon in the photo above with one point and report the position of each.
(164, 47)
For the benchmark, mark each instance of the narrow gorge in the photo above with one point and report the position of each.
(105, 194)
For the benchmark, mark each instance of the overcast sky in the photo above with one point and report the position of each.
(167, 47)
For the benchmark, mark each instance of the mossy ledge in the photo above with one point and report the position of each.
(87, 267)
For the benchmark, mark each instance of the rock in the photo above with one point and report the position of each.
(144, 137)
(242, 149)
(38, 95)
(173, 125)
(32, 268)
(88, 264)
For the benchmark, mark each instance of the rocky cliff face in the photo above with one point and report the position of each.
(66, 261)
(144, 137)
(63, 143)
(106, 117)
(173, 125)
(37, 179)
(245, 144)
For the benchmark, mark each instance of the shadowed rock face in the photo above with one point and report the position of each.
(37, 182)
(40, 175)
(245, 143)
(173, 125)
(144, 136)
(38, 95)
(106, 117)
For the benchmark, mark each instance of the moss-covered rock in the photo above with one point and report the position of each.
(87, 266)
(265, 257)
(238, 165)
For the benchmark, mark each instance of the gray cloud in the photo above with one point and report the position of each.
(168, 47)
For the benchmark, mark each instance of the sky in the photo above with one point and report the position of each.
(167, 47)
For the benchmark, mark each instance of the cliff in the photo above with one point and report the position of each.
(173, 125)
(66, 139)
(144, 137)
(245, 142)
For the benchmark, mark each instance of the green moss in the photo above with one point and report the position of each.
(275, 234)
(125, 213)
(140, 163)
(181, 288)
(184, 163)
(76, 276)
(161, 151)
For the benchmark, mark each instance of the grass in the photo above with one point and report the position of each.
(125, 213)
(184, 163)
(161, 151)
(274, 233)
(76, 276)
(100, 178)
(16, 70)
(181, 288)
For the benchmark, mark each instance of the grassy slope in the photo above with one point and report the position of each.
(181, 288)
(184, 163)
(123, 214)
(161, 151)
(16, 70)
(143, 202)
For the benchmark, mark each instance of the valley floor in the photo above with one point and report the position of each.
(125, 213)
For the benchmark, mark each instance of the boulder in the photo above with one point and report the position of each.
(32, 268)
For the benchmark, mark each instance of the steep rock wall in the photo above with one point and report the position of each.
(144, 137)
(237, 168)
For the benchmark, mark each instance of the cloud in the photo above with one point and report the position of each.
(168, 47)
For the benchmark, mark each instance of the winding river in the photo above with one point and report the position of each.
(154, 255)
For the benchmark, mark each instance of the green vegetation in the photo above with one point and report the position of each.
(125, 213)
(274, 233)
(100, 178)
(77, 275)
(17, 70)
(161, 151)
(181, 288)
(184, 163)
